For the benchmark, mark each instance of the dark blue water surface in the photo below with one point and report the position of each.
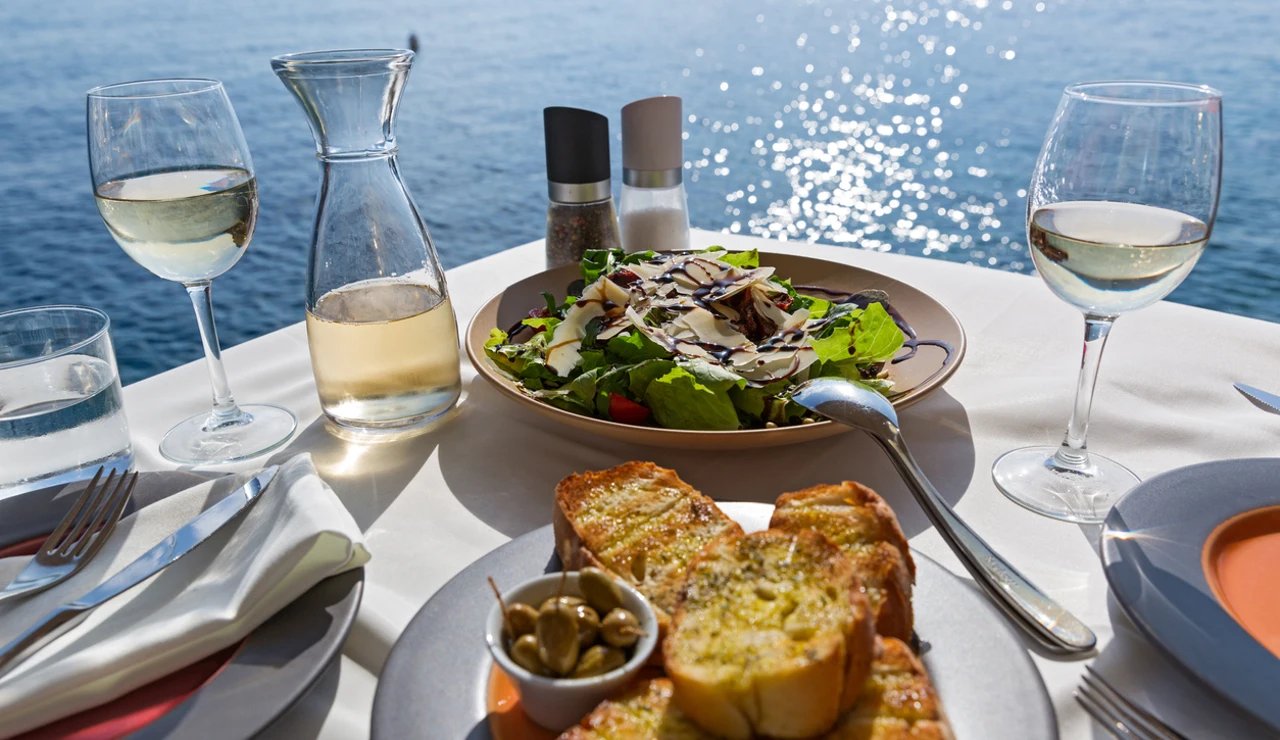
(891, 125)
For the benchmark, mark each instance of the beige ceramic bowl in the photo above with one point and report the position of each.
(559, 703)
(914, 378)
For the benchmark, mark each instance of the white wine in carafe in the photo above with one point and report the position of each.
(384, 354)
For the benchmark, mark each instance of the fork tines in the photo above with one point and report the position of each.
(1121, 717)
(97, 508)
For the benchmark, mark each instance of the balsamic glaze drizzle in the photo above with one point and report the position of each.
(912, 343)
(708, 294)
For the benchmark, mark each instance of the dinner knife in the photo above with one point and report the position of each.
(148, 564)
(1268, 401)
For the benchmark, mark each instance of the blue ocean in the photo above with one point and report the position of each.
(897, 125)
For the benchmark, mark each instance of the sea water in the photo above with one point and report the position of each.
(60, 420)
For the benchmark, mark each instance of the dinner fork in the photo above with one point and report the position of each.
(1118, 714)
(79, 536)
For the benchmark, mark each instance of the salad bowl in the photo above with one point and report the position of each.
(934, 349)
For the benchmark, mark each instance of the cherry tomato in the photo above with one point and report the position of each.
(626, 411)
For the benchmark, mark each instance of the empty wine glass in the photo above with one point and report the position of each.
(1120, 208)
(174, 183)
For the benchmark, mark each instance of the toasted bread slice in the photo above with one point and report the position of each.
(643, 712)
(639, 521)
(862, 524)
(772, 636)
(898, 701)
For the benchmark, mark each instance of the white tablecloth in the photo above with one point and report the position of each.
(434, 504)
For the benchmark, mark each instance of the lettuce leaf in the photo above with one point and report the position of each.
(644, 373)
(714, 377)
(592, 359)
(876, 338)
(818, 307)
(753, 404)
(632, 347)
(835, 343)
(523, 362)
(866, 336)
(597, 262)
(496, 337)
(549, 323)
(679, 401)
(749, 259)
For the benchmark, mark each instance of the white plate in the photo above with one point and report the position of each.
(435, 680)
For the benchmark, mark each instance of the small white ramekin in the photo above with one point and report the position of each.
(559, 703)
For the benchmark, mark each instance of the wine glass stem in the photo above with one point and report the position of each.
(1073, 453)
(225, 411)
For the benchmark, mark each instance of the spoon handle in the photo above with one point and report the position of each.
(1057, 629)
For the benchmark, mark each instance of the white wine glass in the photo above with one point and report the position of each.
(1120, 208)
(174, 183)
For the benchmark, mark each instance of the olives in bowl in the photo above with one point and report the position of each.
(567, 641)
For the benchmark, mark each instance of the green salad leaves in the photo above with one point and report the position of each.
(656, 356)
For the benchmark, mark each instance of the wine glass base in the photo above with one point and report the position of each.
(268, 428)
(1031, 477)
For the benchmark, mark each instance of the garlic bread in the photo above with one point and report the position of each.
(898, 702)
(866, 529)
(772, 636)
(643, 712)
(639, 521)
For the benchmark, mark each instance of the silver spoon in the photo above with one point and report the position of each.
(1057, 629)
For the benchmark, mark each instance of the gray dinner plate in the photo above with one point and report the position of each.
(1152, 546)
(434, 683)
(276, 665)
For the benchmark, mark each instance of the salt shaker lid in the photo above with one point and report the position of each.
(577, 145)
(651, 134)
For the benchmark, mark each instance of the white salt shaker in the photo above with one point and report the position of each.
(654, 210)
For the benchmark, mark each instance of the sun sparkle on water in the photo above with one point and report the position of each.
(860, 155)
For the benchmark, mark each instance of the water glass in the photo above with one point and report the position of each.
(61, 415)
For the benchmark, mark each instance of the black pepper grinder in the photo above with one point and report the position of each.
(580, 214)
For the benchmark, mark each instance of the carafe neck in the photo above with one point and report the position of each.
(350, 98)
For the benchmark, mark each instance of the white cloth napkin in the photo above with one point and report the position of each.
(295, 535)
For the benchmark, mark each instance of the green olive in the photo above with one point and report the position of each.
(557, 633)
(524, 653)
(600, 590)
(620, 628)
(521, 619)
(588, 626)
(572, 601)
(598, 660)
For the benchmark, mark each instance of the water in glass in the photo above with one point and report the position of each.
(61, 415)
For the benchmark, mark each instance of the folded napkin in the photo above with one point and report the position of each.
(295, 535)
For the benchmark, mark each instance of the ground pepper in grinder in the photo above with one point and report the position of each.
(580, 214)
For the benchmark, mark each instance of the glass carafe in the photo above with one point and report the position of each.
(383, 339)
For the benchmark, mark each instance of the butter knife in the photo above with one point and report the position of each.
(1268, 401)
(148, 564)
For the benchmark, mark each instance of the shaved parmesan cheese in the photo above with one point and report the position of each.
(564, 350)
(768, 365)
(701, 325)
(647, 270)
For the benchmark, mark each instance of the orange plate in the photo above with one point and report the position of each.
(1240, 559)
